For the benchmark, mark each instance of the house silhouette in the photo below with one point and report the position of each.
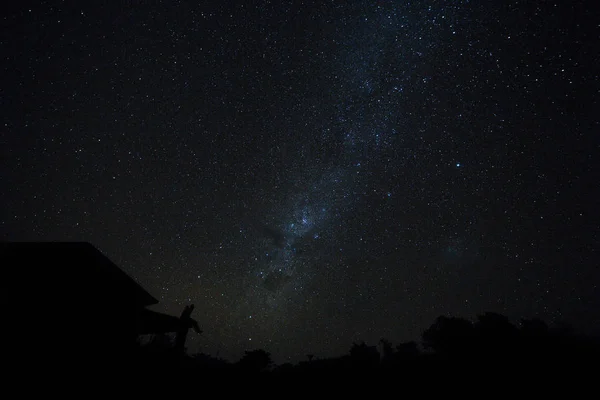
(68, 301)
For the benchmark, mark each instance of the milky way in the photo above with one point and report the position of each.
(366, 110)
(313, 174)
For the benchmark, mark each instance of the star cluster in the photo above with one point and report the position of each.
(313, 174)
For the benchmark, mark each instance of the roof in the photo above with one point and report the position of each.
(68, 272)
(155, 322)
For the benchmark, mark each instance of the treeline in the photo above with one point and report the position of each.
(491, 342)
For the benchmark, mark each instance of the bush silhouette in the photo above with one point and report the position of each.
(255, 361)
(449, 335)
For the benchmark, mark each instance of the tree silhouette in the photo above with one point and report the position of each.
(449, 335)
(490, 342)
(534, 328)
(407, 350)
(495, 324)
(255, 360)
(387, 351)
(362, 355)
(496, 335)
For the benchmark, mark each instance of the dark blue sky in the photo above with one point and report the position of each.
(309, 175)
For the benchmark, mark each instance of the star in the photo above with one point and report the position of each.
(313, 169)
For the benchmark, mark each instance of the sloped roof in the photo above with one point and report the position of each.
(68, 271)
(155, 322)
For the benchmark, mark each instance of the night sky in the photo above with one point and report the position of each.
(313, 174)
